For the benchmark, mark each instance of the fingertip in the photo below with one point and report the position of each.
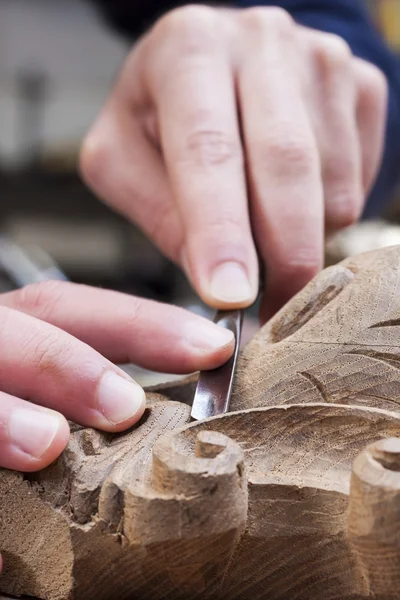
(49, 436)
(203, 345)
(63, 435)
(229, 287)
(121, 402)
(205, 337)
(215, 358)
(132, 420)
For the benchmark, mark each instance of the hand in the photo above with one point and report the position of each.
(226, 119)
(45, 330)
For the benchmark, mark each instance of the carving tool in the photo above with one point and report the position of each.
(214, 388)
(24, 266)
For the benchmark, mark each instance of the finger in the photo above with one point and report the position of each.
(283, 163)
(124, 169)
(31, 437)
(125, 328)
(332, 109)
(201, 144)
(371, 111)
(48, 366)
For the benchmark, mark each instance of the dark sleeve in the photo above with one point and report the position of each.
(347, 18)
(133, 17)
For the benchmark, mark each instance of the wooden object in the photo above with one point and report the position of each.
(252, 505)
(374, 517)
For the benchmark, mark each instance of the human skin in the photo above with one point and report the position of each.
(59, 345)
(227, 131)
(233, 130)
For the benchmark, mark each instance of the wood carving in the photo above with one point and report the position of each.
(294, 495)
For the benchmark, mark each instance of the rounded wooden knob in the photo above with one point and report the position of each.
(374, 518)
(197, 487)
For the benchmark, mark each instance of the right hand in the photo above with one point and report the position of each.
(222, 119)
(58, 340)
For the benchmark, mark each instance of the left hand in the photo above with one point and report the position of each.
(222, 119)
(59, 342)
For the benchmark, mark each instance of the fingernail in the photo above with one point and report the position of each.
(120, 399)
(33, 431)
(229, 283)
(204, 335)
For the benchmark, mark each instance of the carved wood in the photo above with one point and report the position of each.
(257, 504)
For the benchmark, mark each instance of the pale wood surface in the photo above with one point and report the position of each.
(252, 505)
(374, 517)
(337, 341)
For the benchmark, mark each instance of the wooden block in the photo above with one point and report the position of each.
(252, 505)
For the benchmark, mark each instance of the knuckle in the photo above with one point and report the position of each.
(345, 210)
(39, 299)
(288, 154)
(50, 352)
(339, 167)
(343, 192)
(94, 158)
(333, 52)
(373, 82)
(136, 315)
(339, 48)
(378, 82)
(304, 262)
(297, 263)
(269, 18)
(224, 226)
(192, 27)
(211, 147)
(189, 15)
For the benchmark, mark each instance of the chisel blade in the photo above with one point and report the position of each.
(214, 388)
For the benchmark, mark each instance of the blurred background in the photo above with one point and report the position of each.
(58, 60)
(57, 64)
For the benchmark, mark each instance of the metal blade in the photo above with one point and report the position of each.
(214, 388)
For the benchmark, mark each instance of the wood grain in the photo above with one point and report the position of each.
(291, 496)
(374, 517)
(337, 341)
